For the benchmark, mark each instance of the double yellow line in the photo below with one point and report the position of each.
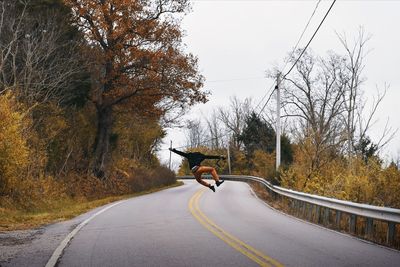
(247, 250)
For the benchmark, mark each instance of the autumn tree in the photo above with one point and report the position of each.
(313, 97)
(139, 64)
(14, 151)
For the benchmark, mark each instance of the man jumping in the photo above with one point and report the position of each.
(195, 158)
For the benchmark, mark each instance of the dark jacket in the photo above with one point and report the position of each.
(195, 158)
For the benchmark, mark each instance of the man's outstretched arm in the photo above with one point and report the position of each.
(183, 154)
(214, 157)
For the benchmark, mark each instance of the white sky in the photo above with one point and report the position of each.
(244, 39)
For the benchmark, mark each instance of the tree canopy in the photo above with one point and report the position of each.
(138, 60)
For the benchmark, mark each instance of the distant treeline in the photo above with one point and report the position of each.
(326, 149)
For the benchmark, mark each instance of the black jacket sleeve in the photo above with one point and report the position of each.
(212, 157)
(183, 154)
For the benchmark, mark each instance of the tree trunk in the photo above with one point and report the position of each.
(102, 141)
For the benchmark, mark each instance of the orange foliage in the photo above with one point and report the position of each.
(138, 63)
(136, 45)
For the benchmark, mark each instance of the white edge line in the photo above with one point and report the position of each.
(59, 250)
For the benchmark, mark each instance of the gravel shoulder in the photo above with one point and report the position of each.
(35, 246)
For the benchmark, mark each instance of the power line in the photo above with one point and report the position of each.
(302, 34)
(262, 99)
(287, 60)
(312, 37)
(304, 49)
(294, 64)
(269, 98)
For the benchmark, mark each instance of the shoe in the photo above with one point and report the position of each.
(212, 188)
(218, 183)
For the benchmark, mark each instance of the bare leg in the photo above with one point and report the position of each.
(206, 169)
(197, 175)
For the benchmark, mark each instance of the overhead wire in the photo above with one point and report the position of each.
(312, 37)
(269, 98)
(287, 60)
(302, 34)
(291, 68)
(302, 52)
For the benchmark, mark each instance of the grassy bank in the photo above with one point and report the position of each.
(59, 211)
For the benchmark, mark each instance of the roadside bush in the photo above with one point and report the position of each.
(363, 182)
(143, 179)
(264, 164)
(14, 151)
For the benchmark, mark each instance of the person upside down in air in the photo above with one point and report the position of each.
(195, 158)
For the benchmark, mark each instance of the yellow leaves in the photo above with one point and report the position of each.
(264, 163)
(22, 165)
(361, 182)
(13, 148)
(52, 122)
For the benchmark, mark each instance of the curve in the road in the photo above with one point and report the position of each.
(247, 250)
(161, 230)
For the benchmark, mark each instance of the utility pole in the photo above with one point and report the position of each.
(170, 152)
(229, 158)
(278, 123)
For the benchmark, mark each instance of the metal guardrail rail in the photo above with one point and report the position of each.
(306, 203)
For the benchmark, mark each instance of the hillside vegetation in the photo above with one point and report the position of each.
(86, 93)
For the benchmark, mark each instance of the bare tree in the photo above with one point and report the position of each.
(216, 131)
(324, 100)
(38, 58)
(234, 118)
(313, 96)
(195, 135)
(358, 120)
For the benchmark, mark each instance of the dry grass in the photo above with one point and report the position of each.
(59, 211)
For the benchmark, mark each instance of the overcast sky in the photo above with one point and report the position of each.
(243, 39)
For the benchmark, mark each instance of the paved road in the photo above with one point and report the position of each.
(188, 226)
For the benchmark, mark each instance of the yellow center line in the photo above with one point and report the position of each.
(222, 237)
(245, 249)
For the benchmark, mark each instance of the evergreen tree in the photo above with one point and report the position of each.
(260, 135)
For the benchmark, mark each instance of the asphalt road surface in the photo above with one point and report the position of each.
(192, 226)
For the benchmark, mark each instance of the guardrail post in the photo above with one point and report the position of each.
(318, 213)
(369, 224)
(300, 208)
(352, 223)
(338, 219)
(304, 210)
(293, 206)
(310, 210)
(391, 233)
(326, 216)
